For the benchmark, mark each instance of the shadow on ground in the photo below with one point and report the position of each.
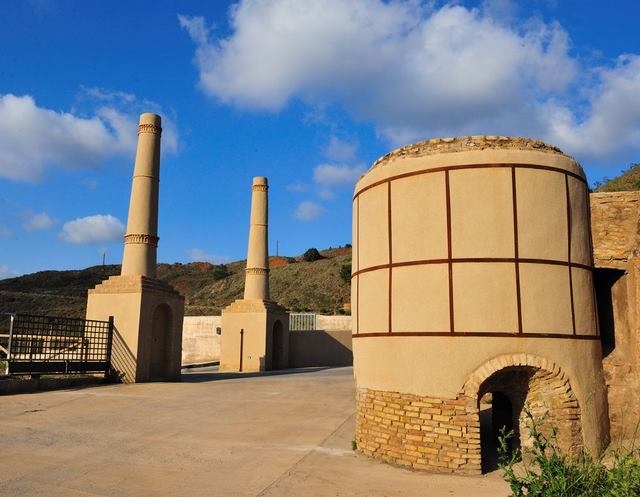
(192, 375)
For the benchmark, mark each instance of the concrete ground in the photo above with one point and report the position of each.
(212, 434)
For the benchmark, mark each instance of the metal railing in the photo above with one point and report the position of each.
(300, 321)
(50, 344)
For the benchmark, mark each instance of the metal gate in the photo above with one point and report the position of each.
(55, 345)
(302, 321)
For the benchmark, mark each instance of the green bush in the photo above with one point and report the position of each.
(624, 476)
(543, 471)
(311, 255)
(345, 272)
(220, 272)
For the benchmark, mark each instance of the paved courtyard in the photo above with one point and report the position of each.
(213, 434)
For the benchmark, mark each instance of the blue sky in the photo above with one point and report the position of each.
(306, 92)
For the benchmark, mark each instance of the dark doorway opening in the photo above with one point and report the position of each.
(604, 281)
(501, 401)
(278, 358)
(496, 420)
(160, 335)
(502, 398)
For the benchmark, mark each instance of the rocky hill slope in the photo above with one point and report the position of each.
(320, 286)
(628, 180)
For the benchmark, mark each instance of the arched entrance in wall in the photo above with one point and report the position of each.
(505, 385)
(278, 357)
(160, 336)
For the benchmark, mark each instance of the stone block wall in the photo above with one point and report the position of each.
(615, 228)
(419, 432)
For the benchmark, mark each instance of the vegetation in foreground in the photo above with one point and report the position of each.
(543, 471)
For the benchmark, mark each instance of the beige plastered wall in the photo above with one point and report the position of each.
(132, 301)
(256, 318)
(320, 348)
(328, 345)
(484, 292)
(200, 342)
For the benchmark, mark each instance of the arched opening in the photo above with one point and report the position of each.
(502, 398)
(160, 336)
(278, 357)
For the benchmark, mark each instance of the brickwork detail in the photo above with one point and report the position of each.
(541, 385)
(419, 432)
(443, 435)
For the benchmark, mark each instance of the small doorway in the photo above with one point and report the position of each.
(604, 282)
(278, 357)
(496, 420)
(160, 336)
(502, 398)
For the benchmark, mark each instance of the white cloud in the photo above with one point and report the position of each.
(611, 125)
(5, 272)
(93, 229)
(123, 111)
(108, 95)
(308, 211)
(33, 138)
(340, 151)
(38, 222)
(297, 187)
(326, 194)
(200, 255)
(417, 72)
(331, 175)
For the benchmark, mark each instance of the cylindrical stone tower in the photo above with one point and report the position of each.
(256, 285)
(141, 239)
(472, 275)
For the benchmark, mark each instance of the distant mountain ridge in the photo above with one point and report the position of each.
(295, 283)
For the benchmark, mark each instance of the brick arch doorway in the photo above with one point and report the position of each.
(160, 335)
(502, 389)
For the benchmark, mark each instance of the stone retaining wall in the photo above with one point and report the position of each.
(615, 228)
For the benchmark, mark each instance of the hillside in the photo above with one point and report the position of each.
(629, 180)
(298, 285)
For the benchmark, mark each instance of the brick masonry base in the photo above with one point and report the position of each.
(419, 432)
